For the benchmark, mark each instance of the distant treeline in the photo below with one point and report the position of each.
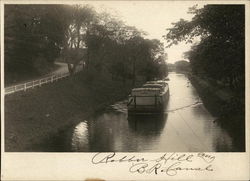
(179, 66)
(37, 35)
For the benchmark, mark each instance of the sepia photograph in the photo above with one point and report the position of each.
(125, 76)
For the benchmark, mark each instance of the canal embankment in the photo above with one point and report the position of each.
(222, 103)
(37, 115)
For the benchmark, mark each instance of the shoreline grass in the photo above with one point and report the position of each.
(219, 103)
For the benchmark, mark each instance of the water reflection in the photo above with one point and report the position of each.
(107, 132)
(147, 125)
(80, 138)
(187, 126)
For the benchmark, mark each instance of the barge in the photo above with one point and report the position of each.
(152, 97)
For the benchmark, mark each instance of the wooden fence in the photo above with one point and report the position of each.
(34, 83)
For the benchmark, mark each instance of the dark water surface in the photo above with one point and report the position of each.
(186, 126)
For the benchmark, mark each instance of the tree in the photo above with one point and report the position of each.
(34, 35)
(220, 53)
(122, 51)
(81, 19)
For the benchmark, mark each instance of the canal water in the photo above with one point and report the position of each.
(186, 126)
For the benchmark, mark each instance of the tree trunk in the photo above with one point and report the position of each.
(78, 36)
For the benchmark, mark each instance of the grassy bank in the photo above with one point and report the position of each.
(37, 114)
(18, 78)
(223, 104)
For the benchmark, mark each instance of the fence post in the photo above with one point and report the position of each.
(40, 82)
(33, 84)
(25, 87)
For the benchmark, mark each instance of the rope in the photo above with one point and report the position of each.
(192, 131)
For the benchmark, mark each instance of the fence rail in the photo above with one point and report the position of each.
(34, 83)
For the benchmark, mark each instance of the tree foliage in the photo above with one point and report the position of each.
(35, 35)
(182, 65)
(122, 51)
(220, 52)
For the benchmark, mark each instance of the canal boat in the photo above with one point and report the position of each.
(151, 98)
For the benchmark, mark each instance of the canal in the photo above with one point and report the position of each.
(186, 126)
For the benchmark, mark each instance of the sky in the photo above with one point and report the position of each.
(154, 17)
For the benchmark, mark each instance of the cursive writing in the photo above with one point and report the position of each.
(168, 163)
(206, 157)
(175, 157)
(111, 157)
(170, 170)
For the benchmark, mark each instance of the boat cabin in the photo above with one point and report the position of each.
(151, 97)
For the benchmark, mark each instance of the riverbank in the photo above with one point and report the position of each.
(37, 115)
(223, 104)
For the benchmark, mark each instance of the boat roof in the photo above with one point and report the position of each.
(153, 85)
(157, 82)
(161, 81)
(151, 82)
(145, 89)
